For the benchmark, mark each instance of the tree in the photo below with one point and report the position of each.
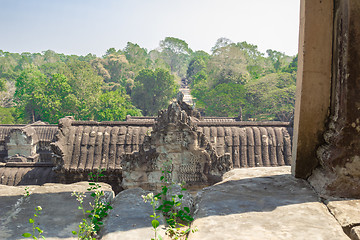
(196, 65)
(29, 92)
(251, 50)
(59, 100)
(157, 60)
(113, 68)
(292, 67)
(278, 59)
(225, 100)
(176, 53)
(153, 90)
(110, 51)
(220, 43)
(200, 53)
(136, 56)
(228, 64)
(86, 88)
(271, 97)
(49, 97)
(199, 90)
(175, 45)
(7, 115)
(115, 106)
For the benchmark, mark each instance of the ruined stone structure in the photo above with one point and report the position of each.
(25, 154)
(198, 151)
(133, 151)
(327, 146)
(175, 146)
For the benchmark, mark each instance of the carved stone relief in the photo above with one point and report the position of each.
(173, 147)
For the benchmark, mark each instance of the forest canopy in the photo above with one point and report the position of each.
(233, 78)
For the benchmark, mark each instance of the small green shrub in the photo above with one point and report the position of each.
(154, 201)
(92, 219)
(178, 218)
(36, 231)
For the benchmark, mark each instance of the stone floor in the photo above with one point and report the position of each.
(256, 203)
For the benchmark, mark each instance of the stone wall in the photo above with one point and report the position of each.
(27, 141)
(339, 171)
(327, 113)
(198, 146)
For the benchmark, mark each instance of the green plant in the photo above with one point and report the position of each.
(86, 227)
(35, 230)
(92, 219)
(154, 201)
(100, 207)
(27, 192)
(32, 221)
(178, 218)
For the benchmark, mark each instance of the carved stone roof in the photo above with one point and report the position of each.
(89, 145)
(27, 175)
(100, 146)
(96, 145)
(251, 146)
(45, 133)
(140, 119)
(83, 146)
(219, 119)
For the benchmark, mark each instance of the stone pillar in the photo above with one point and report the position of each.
(313, 83)
(339, 157)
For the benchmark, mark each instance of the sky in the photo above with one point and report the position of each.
(93, 26)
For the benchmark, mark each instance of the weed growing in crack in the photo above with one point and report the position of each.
(154, 202)
(92, 219)
(36, 231)
(178, 218)
(27, 192)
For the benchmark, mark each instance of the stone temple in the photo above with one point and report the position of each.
(257, 197)
(133, 152)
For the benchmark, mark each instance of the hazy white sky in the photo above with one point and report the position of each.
(93, 26)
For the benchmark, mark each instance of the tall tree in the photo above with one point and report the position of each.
(137, 57)
(220, 43)
(29, 92)
(228, 64)
(225, 100)
(153, 90)
(86, 86)
(176, 53)
(115, 106)
(58, 100)
(271, 97)
(196, 65)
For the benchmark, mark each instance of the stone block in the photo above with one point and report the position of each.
(347, 212)
(262, 203)
(60, 214)
(130, 217)
(355, 233)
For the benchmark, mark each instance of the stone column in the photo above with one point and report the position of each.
(313, 83)
(339, 157)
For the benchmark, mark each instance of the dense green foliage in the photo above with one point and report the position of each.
(134, 81)
(237, 77)
(153, 90)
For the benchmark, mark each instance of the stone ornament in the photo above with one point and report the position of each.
(176, 146)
